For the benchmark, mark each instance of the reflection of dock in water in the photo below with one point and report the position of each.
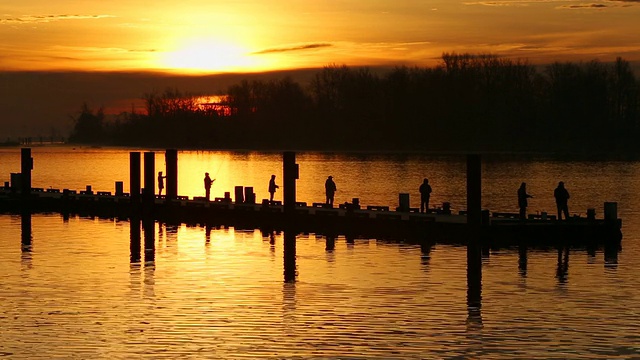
(350, 219)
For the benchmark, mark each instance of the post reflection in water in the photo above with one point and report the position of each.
(26, 239)
(25, 218)
(474, 284)
(522, 260)
(289, 256)
(562, 270)
(148, 225)
(330, 243)
(425, 254)
(207, 233)
(134, 235)
(611, 256)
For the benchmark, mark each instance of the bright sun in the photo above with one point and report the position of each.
(209, 55)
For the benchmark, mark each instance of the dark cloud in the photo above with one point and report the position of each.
(31, 19)
(584, 6)
(292, 48)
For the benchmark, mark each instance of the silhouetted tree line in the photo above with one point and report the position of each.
(467, 102)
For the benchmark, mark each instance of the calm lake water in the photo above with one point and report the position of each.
(75, 293)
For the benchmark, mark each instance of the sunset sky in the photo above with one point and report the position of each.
(250, 35)
(57, 54)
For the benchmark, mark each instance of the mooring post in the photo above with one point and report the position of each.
(26, 165)
(149, 177)
(134, 177)
(290, 173)
(119, 188)
(610, 212)
(171, 158)
(474, 189)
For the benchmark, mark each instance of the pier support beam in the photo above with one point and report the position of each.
(26, 165)
(171, 158)
(134, 177)
(149, 177)
(290, 174)
(474, 189)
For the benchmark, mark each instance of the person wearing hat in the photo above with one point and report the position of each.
(330, 190)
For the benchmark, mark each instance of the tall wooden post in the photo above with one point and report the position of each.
(291, 174)
(171, 158)
(26, 165)
(474, 189)
(134, 177)
(149, 176)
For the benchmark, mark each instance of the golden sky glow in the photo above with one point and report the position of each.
(218, 36)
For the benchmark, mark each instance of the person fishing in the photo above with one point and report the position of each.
(522, 200)
(272, 187)
(160, 182)
(207, 185)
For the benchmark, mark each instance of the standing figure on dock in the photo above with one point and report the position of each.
(522, 200)
(330, 190)
(425, 194)
(160, 182)
(272, 187)
(207, 185)
(562, 197)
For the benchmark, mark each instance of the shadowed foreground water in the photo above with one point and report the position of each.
(72, 291)
(74, 294)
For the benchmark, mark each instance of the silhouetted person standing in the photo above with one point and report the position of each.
(562, 197)
(522, 200)
(425, 194)
(330, 190)
(207, 185)
(272, 187)
(160, 182)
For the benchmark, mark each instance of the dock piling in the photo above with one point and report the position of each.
(149, 177)
(26, 165)
(171, 158)
(119, 188)
(610, 212)
(474, 189)
(134, 177)
(290, 172)
(239, 194)
(403, 202)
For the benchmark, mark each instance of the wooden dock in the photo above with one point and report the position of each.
(368, 223)
(380, 222)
